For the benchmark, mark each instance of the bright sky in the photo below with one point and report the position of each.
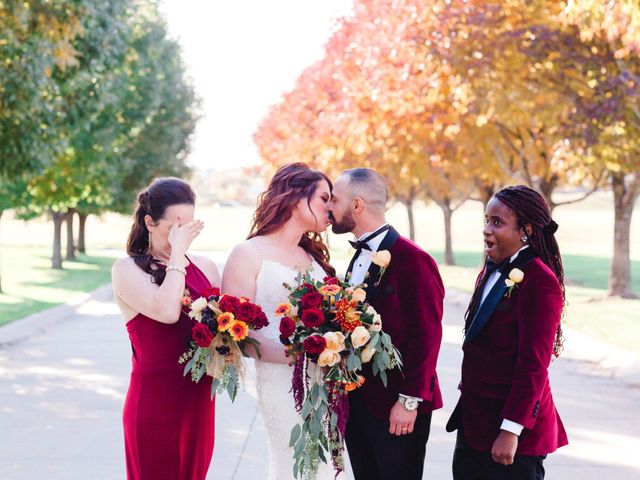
(242, 55)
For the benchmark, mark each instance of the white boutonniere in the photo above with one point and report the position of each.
(515, 277)
(382, 258)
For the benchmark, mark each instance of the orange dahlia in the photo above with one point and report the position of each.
(347, 315)
(225, 320)
(239, 330)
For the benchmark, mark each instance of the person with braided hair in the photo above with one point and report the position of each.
(506, 419)
(168, 419)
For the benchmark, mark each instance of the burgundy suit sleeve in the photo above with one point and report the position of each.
(538, 318)
(421, 294)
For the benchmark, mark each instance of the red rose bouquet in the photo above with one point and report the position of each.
(329, 332)
(220, 337)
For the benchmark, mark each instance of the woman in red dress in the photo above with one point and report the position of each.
(168, 420)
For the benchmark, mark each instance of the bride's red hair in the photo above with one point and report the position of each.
(290, 184)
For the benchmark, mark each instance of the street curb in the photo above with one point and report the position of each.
(621, 364)
(24, 328)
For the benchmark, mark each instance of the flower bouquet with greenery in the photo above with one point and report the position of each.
(220, 337)
(329, 332)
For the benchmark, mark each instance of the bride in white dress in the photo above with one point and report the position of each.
(284, 241)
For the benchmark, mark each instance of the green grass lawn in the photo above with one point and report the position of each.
(30, 285)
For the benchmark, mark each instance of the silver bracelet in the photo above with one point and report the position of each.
(177, 269)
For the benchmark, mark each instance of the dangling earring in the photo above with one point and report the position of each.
(524, 239)
(149, 241)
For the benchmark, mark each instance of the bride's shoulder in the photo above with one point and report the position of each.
(246, 254)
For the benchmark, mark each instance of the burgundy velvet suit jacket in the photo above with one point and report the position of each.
(504, 369)
(409, 300)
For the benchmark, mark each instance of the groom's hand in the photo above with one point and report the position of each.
(401, 420)
(504, 448)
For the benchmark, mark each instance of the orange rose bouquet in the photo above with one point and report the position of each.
(329, 332)
(220, 337)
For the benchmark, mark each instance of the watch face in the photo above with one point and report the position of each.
(411, 404)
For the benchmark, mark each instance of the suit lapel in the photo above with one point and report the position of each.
(374, 270)
(353, 260)
(486, 309)
(490, 303)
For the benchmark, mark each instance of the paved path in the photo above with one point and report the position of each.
(62, 390)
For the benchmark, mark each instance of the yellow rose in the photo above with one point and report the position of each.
(367, 354)
(335, 341)
(509, 283)
(376, 325)
(359, 295)
(197, 307)
(360, 336)
(328, 358)
(382, 258)
(516, 275)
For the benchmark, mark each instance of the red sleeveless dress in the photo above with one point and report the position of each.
(168, 419)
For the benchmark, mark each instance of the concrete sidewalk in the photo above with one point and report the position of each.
(64, 375)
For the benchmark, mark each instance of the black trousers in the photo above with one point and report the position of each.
(471, 464)
(375, 453)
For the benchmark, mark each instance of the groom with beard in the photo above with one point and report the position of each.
(389, 426)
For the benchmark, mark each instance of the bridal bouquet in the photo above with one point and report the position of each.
(220, 337)
(329, 332)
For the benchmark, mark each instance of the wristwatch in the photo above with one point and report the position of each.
(409, 403)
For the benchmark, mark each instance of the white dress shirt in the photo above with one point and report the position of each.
(508, 425)
(363, 262)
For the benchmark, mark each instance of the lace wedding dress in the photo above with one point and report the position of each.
(273, 381)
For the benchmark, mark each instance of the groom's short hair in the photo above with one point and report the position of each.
(368, 185)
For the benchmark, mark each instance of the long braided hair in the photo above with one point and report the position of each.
(531, 208)
(154, 201)
(290, 184)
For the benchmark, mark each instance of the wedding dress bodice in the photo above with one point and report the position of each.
(270, 290)
(273, 380)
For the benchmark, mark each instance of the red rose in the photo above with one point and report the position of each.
(246, 312)
(229, 303)
(312, 318)
(259, 320)
(211, 292)
(330, 280)
(287, 326)
(314, 345)
(202, 335)
(312, 299)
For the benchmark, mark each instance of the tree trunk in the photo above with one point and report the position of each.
(412, 225)
(546, 188)
(71, 249)
(82, 217)
(624, 197)
(56, 259)
(448, 246)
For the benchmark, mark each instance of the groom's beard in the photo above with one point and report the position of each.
(346, 225)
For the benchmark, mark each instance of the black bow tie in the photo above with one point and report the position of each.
(493, 266)
(364, 243)
(360, 245)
